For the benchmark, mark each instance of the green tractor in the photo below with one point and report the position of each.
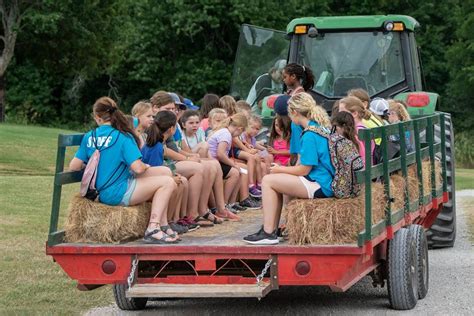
(377, 53)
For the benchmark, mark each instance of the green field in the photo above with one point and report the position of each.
(31, 282)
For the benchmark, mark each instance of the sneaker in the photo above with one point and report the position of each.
(189, 223)
(250, 204)
(253, 191)
(262, 238)
(177, 227)
(238, 207)
(259, 187)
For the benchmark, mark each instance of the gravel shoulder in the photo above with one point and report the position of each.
(451, 290)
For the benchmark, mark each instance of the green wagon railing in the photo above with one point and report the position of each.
(427, 149)
(423, 149)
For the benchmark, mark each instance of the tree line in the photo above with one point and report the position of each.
(66, 53)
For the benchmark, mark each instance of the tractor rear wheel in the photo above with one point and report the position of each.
(402, 271)
(443, 231)
(125, 303)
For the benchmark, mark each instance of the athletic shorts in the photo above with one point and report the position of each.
(225, 169)
(313, 188)
(132, 184)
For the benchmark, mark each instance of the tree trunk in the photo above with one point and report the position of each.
(2, 99)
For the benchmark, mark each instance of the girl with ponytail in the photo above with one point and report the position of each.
(355, 107)
(297, 78)
(310, 178)
(122, 177)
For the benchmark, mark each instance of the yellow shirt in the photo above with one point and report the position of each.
(373, 122)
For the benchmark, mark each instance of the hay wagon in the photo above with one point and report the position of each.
(392, 249)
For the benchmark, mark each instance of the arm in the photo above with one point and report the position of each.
(273, 151)
(299, 170)
(222, 156)
(138, 167)
(181, 156)
(76, 164)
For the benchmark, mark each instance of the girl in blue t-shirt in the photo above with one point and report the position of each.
(122, 178)
(309, 179)
(162, 128)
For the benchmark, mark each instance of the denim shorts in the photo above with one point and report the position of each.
(132, 183)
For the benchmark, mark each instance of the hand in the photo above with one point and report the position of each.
(250, 146)
(194, 158)
(275, 168)
(177, 179)
(253, 151)
(271, 150)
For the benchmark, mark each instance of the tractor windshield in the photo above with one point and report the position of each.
(261, 56)
(342, 61)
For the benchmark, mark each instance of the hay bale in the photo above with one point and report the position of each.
(90, 221)
(332, 221)
(413, 189)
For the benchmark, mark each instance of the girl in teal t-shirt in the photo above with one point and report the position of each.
(310, 178)
(122, 178)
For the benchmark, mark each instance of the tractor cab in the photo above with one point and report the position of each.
(376, 53)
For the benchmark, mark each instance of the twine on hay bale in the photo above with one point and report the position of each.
(90, 221)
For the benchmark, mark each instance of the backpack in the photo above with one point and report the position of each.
(346, 161)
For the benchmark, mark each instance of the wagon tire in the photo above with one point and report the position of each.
(443, 231)
(402, 271)
(125, 303)
(421, 242)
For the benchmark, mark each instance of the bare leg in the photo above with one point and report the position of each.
(193, 171)
(184, 200)
(231, 183)
(157, 171)
(175, 204)
(218, 190)
(249, 165)
(273, 186)
(209, 176)
(159, 189)
(258, 169)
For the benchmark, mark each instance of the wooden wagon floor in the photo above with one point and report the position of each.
(225, 234)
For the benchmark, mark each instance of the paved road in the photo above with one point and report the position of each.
(451, 290)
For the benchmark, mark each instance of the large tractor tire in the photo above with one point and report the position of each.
(127, 304)
(443, 231)
(402, 271)
(418, 233)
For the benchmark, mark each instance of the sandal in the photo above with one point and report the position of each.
(165, 229)
(203, 222)
(217, 219)
(228, 216)
(148, 238)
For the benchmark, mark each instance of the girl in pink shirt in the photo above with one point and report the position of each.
(355, 106)
(280, 140)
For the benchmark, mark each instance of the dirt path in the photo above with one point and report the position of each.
(451, 290)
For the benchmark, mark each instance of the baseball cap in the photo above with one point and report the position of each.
(379, 106)
(281, 105)
(190, 105)
(177, 101)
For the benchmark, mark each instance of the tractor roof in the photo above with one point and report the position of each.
(353, 22)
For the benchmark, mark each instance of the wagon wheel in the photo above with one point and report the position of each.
(418, 233)
(402, 271)
(125, 303)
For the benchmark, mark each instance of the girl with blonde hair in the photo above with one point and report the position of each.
(228, 103)
(355, 107)
(143, 111)
(310, 178)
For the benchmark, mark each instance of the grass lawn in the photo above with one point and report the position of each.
(464, 179)
(31, 282)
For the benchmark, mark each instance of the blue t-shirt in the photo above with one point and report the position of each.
(314, 152)
(177, 134)
(295, 138)
(153, 155)
(117, 152)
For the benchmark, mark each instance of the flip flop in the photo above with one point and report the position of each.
(203, 222)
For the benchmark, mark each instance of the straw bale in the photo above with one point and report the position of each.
(332, 221)
(90, 221)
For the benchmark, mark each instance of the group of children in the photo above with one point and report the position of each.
(200, 168)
